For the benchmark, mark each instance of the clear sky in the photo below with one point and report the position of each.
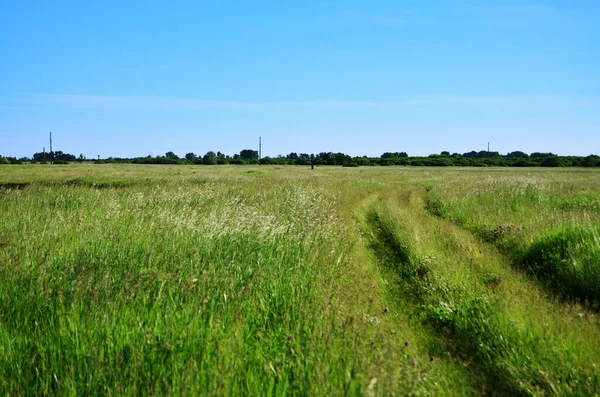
(132, 78)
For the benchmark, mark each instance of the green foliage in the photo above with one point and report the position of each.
(210, 158)
(444, 159)
(436, 206)
(564, 259)
(249, 154)
(472, 322)
(130, 279)
(569, 260)
(551, 162)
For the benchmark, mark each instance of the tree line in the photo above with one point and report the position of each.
(249, 156)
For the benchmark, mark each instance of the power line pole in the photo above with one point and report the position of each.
(51, 153)
(259, 148)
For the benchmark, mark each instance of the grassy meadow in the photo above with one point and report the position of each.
(279, 280)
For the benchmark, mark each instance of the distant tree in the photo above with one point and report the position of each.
(249, 154)
(591, 161)
(59, 155)
(388, 155)
(327, 158)
(523, 163)
(269, 160)
(53, 156)
(191, 156)
(447, 154)
(540, 155)
(210, 158)
(81, 157)
(292, 156)
(171, 156)
(39, 156)
(550, 162)
(341, 159)
(518, 154)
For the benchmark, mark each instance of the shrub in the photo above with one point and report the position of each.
(436, 207)
(569, 260)
(551, 162)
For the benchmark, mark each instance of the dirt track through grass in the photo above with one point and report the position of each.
(274, 280)
(513, 338)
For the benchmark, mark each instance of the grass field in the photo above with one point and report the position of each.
(264, 280)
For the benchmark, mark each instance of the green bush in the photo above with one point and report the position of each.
(569, 260)
(551, 162)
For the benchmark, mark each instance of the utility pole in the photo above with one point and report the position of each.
(259, 148)
(51, 153)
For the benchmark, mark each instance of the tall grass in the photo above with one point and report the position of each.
(124, 279)
(174, 281)
(569, 260)
(546, 226)
(177, 287)
(461, 294)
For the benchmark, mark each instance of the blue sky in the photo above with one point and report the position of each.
(131, 78)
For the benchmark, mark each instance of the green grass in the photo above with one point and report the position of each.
(545, 223)
(128, 280)
(482, 309)
(569, 260)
